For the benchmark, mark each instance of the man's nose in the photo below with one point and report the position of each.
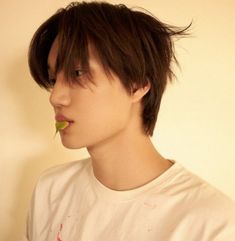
(60, 94)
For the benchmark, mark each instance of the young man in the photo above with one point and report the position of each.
(107, 67)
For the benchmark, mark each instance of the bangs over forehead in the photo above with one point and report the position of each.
(67, 26)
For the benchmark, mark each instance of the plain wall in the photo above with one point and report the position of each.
(196, 123)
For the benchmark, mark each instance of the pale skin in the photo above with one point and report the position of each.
(107, 122)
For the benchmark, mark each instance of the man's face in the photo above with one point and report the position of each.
(99, 112)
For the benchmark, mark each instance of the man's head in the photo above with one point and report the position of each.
(135, 46)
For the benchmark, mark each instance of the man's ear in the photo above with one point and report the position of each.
(139, 93)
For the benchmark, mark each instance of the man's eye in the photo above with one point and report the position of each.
(78, 73)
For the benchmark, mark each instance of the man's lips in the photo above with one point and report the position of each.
(63, 118)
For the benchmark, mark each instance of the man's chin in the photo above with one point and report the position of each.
(70, 145)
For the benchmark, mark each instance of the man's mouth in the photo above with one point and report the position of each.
(62, 118)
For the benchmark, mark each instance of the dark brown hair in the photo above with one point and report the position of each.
(134, 45)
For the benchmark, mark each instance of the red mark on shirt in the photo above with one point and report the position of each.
(58, 235)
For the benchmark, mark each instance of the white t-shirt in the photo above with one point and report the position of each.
(70, 204)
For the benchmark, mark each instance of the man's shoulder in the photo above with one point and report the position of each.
(201, 193)
(62, 174)
(201, 200)
(215, 210)
(208, 202)
(198, 203)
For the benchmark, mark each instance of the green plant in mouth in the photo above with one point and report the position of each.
(60, 125)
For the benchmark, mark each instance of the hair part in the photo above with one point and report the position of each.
(134, 45)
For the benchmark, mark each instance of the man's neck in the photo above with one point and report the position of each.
(127, 162)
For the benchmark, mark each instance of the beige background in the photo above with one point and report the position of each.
(196, 123)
